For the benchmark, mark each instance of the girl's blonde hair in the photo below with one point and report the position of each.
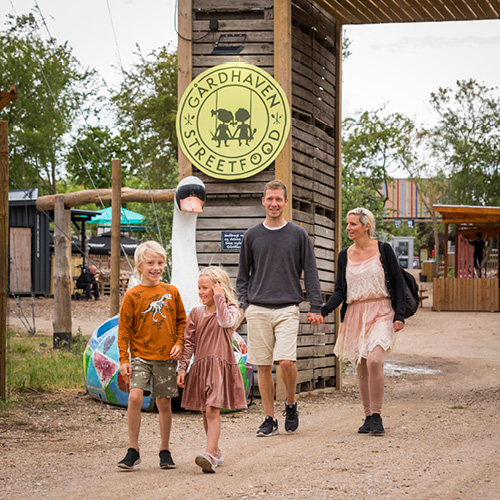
(154, 247)
(365, 217)
(218, 275)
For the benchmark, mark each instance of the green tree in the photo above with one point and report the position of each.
(52, 89)
(466, 140)
(146, 109)
(373, 146)
(88, 161)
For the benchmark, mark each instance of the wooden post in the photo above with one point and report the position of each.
(4, 249)
(338, 177)
(184, 68)
(283, 75)
(446, 251)
(116, 204)
(62, 274)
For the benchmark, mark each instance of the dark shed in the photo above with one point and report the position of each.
(29, 268)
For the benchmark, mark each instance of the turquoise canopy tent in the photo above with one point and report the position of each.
(127, 217)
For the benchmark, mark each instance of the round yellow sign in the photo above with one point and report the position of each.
(233, 121)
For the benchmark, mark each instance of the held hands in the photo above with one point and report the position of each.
(398, 325)
(314, 318)
(176, 352)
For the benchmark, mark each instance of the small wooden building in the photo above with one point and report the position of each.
(463, 291)
(299, 42)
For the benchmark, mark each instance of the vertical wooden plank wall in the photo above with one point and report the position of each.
(236, 205)
(313, 155)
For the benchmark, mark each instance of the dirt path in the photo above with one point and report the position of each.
(442, 439)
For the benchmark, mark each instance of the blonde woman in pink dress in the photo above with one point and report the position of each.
(214, 380)
(370, 286)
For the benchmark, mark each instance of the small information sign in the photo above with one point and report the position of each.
(231, 240)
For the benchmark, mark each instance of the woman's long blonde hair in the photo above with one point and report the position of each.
(218, 275)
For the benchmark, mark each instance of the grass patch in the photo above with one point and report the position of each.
(459, 407)
(34, 366)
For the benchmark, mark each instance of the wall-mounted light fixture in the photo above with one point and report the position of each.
(229, 44)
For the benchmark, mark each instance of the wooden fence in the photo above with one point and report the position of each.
(466, 294)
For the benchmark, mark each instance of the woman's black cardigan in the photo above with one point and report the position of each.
(393, 278)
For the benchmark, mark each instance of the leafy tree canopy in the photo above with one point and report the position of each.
(466, 140)
(52, 90)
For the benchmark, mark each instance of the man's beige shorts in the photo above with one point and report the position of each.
(272, 334)
(161, 375)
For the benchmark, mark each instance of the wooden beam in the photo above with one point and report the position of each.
(283, 75)
(338, 176)
(96, 195)
(4, 252)
(116, 205)
(62, 322)
(184, 69)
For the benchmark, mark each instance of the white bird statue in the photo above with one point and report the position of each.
(189, 199)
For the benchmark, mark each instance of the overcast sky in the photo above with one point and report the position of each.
(398, 65)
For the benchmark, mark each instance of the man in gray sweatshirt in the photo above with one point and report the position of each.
(272, 258)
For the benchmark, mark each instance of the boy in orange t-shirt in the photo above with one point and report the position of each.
(150, 341)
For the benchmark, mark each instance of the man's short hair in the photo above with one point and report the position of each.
(276, 184)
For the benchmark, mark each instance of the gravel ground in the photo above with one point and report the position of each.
(441, 413)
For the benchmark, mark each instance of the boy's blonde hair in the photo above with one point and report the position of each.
(218, 275)
(154, 247)
(365, 217)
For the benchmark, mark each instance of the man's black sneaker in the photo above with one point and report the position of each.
(367, 426)
(291, 417)
(131, 458)
(268, 428)
(377, 427)
(166, 461)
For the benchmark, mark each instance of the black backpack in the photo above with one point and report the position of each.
(411, 293)
(411, 288)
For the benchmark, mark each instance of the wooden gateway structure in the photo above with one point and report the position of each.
(464, 292)
(299, 42)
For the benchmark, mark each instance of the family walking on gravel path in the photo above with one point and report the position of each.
(160, 349)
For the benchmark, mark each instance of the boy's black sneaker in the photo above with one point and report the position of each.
(291, 417)
(131, 459)
(166, 461)
(377, 427)
(367, 426)
(268, 428)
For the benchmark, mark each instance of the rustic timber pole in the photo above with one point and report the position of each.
(283, 75)
(283, 163)
(96, 195)
(338, 177)
(62, 274)
(4, 249)
(116, 204)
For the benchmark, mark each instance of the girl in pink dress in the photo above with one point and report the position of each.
(214, 380)
(370, 285)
